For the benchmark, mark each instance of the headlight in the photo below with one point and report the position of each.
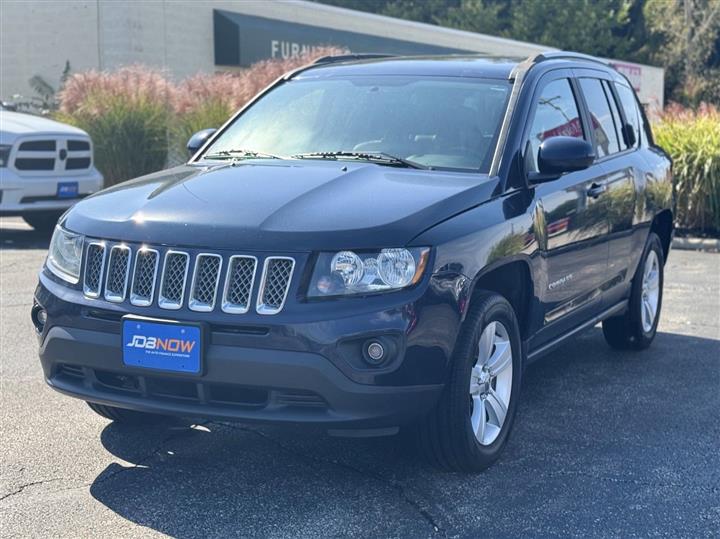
(347, 272)
(65, 254)
(4, 154)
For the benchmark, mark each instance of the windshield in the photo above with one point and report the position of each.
(435, 122)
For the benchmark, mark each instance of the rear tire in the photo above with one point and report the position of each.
(636, 328)
(42, 221)
(121, 415)
(470, 424)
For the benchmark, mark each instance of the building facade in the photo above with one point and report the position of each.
(186, 37)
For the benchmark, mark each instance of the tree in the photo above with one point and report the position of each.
(589, 26)
(684, 37)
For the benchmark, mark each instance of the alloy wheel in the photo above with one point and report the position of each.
(491, 383)
(650, 291)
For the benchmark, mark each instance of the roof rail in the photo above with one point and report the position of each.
(348, 57)
(565, 55)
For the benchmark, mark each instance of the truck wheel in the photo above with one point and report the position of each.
(637, 327)
(469, 426)
(121, 415)
(42, 222)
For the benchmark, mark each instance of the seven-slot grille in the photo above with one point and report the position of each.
(205, 282)
(238, 284)
(94, 266)
(275, 283)
(117, 273)
(145, 276)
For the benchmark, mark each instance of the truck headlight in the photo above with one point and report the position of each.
(348, 272)
(65, 255)
(4, 154)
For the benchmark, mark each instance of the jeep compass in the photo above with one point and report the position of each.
(372, 243)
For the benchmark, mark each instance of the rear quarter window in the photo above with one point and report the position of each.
(632, 114)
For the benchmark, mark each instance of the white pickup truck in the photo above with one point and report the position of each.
(45, 167)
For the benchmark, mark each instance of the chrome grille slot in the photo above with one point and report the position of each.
(172, 283)
(206, 278)
(118, 273)
(274, 285)
(144, 275)
(239, 284)
(94, 267)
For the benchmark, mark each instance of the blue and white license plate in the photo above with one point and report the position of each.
(68, 190)
(164, 346)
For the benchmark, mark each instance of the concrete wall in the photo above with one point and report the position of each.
(37, 37)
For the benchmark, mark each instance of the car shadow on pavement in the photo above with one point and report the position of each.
(14, 234)
(590, 433)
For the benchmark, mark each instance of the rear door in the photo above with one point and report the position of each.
(618, 160)
(570, 221)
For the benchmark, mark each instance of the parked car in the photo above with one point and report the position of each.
(372, 243)
(45, 167)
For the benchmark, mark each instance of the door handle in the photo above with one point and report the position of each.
(596, 189)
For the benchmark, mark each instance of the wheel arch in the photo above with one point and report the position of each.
(662, 225)
(513, 280)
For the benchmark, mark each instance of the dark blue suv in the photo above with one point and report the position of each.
(372, 243)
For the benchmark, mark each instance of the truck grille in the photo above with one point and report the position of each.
(58, 154)
(173, 279)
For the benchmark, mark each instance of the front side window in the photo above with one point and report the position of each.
(556, 114)
(601, 120)
(437, 122)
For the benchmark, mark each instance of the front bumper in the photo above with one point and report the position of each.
(28, 194)
(282, 372)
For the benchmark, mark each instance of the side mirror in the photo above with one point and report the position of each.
(198, 139)
(558, 155)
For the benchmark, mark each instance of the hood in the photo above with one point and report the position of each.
(13, 124)
(279, 205)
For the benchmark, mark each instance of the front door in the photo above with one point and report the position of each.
(572, 227)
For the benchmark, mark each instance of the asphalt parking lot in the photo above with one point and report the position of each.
(606, 444)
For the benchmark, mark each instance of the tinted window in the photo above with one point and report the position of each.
(629, 105)
(617, 118)
(556, 114)
(603, 127)
(441, 122)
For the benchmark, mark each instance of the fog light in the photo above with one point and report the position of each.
(39, 317)
(375, 352)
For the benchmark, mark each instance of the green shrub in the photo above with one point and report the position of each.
(692, 138)
(127, 113)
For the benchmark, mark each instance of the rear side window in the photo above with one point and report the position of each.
(629, 105)
(601, 119)
(556, 114)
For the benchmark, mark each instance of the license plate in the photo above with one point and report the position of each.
(163, 346)
(68, 190)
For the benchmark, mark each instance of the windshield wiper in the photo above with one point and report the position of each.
(240, 154)
(379, 157)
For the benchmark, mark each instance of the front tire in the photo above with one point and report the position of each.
(470, 425)
(121, 415)
(636, 328)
